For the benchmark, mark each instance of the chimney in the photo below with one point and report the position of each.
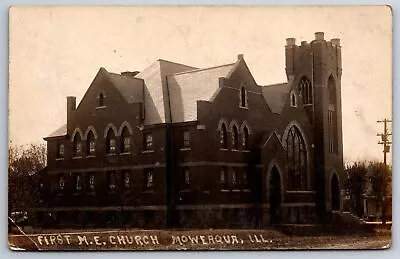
(336, 42)
(240, 57)
(71, 107)
(290, 53)
(319, 35)
(71, 103)
(290, 42)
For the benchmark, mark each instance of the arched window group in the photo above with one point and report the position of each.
(89, 141)
(235, 144)
(296, 160)
(306, 91)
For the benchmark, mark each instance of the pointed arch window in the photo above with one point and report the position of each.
(245, 138)
(91, 182)
(125, 141)
(90, 144)
(332, 116)
(297, 160)
(293, 99)
(110, 142)
(100, 100)
(235, 138)
(306, 90)
(243, 97)
(224, 136)
(77, 146)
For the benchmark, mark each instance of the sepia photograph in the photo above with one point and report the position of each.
(200, 128)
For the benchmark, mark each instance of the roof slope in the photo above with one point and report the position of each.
(61, 131)
(155, 92)
(276, 95)
(186, 88)
(131, 88)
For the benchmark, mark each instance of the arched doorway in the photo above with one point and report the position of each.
(335, 193)
(275, 195)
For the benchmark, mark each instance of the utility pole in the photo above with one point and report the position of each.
(386, 149)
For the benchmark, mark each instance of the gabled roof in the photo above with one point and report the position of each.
(186, 88)
(156, 92)
(276, 95)
(130, 88)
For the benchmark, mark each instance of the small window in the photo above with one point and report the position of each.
(224, 136)
(91, 182)
(125, 141)
(223, 180)
(78, 182)
(100, 101)
(293, 100)
(148, 141)
(60, 150)
(127, 179)
(61, 183)
(91, 144)
(77, 146)
(149, 179)
(245, 179)
(235, 138)
(235, 180)
(245, 138)
(186, 139)
(185, 180)
(111, 142)
(112, 181)
(243, 97)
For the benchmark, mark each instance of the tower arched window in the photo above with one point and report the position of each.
(110, 142)
(243, 97)
(125, 141)
(293, 99)
(245, 138)
(235, 138)
(297, 160)
(306, 90)
(90, 144)
(224, 136)
(100, 100)
(332, 116)
(77, 146)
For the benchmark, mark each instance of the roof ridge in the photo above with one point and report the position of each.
(176, 63)
(285, 83)
(201, 69)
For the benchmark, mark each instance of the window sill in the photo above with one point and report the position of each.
(76, 193)
(149, 191)
(90, 156)
(147, 151)
(246, 190)
(59, 159)
(185, 190)
(235, 190)
(111, 154)
(125, 153)
(206, 192)
(224, 190)
(235, 150)
(245, 151)
(185, 149)
(77, 157)
(101, 107)
(224, 149)
(243, 107)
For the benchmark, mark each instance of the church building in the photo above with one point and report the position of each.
(180, 146)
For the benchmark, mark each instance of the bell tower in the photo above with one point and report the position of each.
(315, 71)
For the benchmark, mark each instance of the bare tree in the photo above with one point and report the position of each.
(23, 164)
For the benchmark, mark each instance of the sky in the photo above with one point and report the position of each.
(56, 52)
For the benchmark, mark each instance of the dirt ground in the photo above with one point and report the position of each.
(189, 240)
